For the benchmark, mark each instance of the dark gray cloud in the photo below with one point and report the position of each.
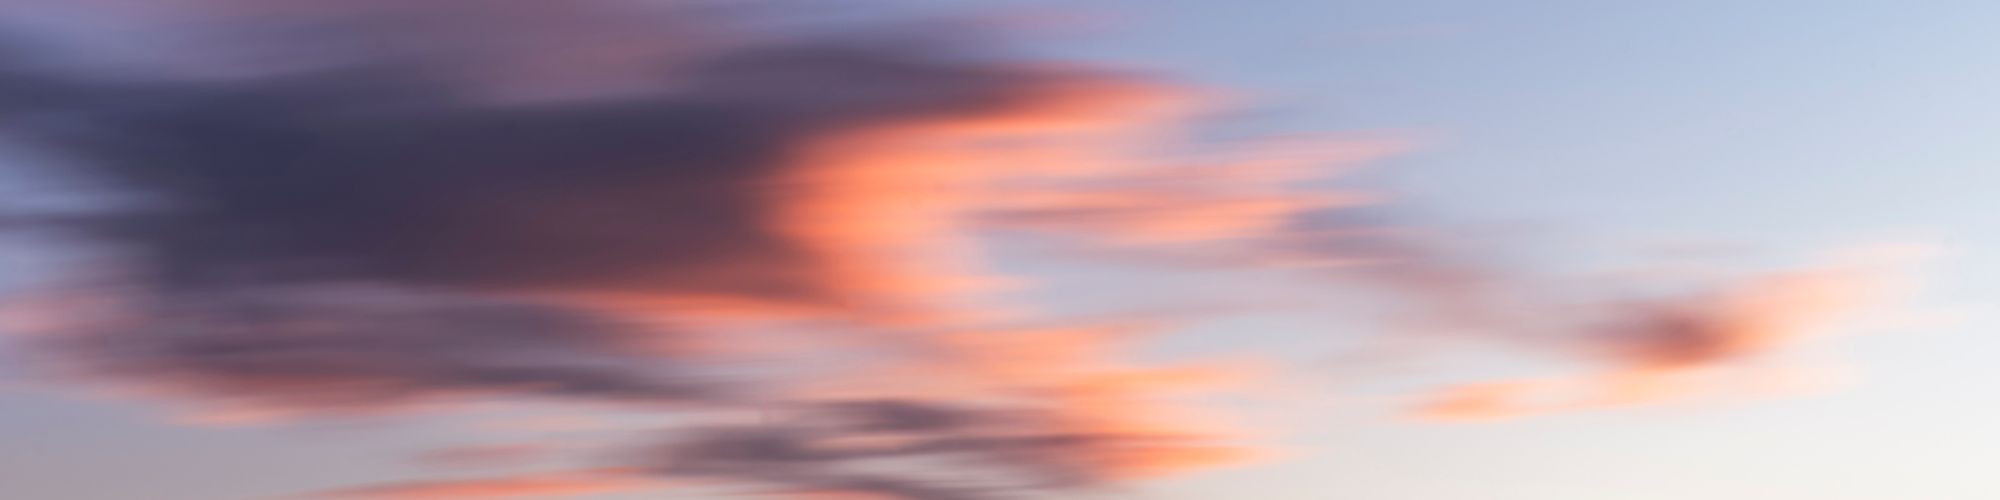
(246, 196)
(333, 351)
(390, 174)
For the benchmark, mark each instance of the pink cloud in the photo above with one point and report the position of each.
(545, 485)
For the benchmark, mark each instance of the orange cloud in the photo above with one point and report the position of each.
(1485, 401)
(1248, 199)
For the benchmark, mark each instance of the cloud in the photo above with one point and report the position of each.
(543, 485)
(1480, 401)
(1251, 199)
(803, 177)
(913, 449)
(486, 455)
(358, 350)
(546, 424)
(1676, 345)
(372, 178)
(974, 414)
(1751, 317)
(357, 228)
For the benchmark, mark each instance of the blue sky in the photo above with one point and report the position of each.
(1777, 126)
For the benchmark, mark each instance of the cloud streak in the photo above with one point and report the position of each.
(543, 485)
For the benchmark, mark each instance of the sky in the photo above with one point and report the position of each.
(1530, 167)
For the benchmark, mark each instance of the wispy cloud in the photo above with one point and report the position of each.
(544, 485)
(1690, 343)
